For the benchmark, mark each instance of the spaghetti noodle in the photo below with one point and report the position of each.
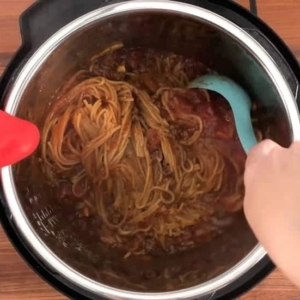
(150, 158)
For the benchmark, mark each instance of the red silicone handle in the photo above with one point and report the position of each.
(18, 139)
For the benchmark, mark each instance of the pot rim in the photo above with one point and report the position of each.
(210, 287)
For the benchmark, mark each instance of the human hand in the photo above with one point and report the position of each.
(272, 203)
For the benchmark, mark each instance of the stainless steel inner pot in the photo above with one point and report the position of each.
(74, 252)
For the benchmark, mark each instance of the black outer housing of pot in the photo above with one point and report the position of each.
(42, 20)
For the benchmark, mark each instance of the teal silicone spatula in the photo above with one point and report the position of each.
(239, 101)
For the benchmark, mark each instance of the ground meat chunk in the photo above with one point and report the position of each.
(153, 140)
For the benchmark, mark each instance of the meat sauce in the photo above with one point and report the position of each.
(217, 117)
(152, 66)
(219, 130)
(141, 68)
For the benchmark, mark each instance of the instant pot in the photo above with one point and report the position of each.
(58, 38)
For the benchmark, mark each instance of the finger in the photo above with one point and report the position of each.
(256, 155)
(295, 147)
(260, 151)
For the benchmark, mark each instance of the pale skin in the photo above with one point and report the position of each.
(272, 203)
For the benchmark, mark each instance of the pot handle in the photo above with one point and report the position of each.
(44, 18)
(41, 20)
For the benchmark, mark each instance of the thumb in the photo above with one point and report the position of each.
(257, 155)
